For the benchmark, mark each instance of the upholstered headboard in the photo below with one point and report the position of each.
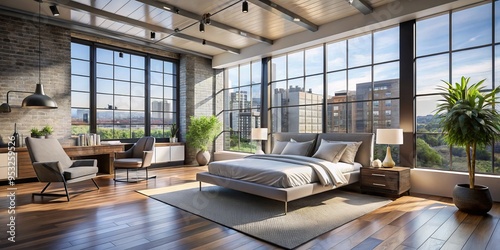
(365, 151)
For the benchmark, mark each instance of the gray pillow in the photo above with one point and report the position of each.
(350, 151)
(330, 151)
(297, 148)
(279, 146)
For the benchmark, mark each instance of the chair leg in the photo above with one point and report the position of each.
(49, 194)
(66, 189)
(127, 174)
(147, 175)
(95, 183)
(46, 186)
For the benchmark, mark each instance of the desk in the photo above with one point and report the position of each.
(103, 153)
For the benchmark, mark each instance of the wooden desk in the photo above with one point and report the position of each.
(103, 153)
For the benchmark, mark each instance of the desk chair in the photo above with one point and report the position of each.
(139, 156)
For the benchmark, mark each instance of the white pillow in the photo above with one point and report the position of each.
(330, 151)
(350, 151)
(297, 148)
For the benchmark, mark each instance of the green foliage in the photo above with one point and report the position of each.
(426, 155)
(47, 130)
(202, 131)
(36, 132)
(79, 129)
(173, 130)
(468, 118)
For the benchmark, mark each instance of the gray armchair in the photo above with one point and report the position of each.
(52, 164)
(138, 157)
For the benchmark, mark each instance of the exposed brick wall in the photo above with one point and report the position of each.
(19, 71)
(196, 94)
(19, 67)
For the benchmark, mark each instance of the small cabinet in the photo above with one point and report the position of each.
(177, 153)
(386, 180)
(168, 153)
(162, 154)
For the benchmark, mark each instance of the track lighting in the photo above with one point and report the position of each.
(204, 42)
(153, 35)
(54, 10)
(120, 54)
(202, 26)
(244, 7)
(206, 18)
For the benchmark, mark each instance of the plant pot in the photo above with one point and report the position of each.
(203, 157)
(472, 201)
(173, 139)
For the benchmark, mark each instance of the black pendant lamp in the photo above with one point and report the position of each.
(39, 100)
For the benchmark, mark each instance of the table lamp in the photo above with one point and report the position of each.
(389, 137)
(259, 134)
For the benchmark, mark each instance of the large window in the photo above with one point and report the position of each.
(297, 91)
(120, 92)
(242, 104)
(448, 46)
(360, 90)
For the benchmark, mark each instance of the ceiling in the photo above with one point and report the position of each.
(176, 22)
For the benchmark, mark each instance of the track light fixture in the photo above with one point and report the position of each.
(152, 35)
(120, 54)
(206, 18)
(202, 26)
(204, 42)
(244, 7)
(54, 10)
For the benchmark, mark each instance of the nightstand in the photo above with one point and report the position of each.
(393, 181)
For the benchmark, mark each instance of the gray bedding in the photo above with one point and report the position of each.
(284, 170)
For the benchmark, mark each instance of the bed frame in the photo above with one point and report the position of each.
(364, 156)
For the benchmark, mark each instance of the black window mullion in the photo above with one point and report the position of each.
(147, 101)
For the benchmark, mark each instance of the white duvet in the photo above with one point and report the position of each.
(283, 170)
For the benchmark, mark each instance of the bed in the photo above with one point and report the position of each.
(316, 175)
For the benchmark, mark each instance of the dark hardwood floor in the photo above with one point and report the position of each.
(117, 217)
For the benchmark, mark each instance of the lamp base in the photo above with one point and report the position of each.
(388, 161)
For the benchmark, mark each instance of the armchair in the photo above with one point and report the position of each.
(139, 156)
(52, 164)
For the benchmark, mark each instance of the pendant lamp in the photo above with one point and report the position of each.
(39, 100)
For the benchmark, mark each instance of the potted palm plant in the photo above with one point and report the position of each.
(469, 119)
(200, 133)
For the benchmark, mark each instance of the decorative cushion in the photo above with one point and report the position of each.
(297, 148)
(330, 151)
(350, 151)
(279, 146)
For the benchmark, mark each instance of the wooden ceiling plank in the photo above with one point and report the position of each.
(194, 16)
(285, 14)
(122, 19)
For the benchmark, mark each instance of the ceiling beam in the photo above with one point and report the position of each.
(197, 17)
(115, 17)
(91, 30)
(361, 5)
(285, 14)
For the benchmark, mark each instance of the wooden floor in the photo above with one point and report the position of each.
(116, 217)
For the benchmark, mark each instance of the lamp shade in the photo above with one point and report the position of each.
(5, 108)
(259, 134)
(390, 136)
(39, 100)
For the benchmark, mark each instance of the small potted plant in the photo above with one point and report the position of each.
(47, 131)
(200, 133)
(469, 120)
(36, 133)
(173, 132)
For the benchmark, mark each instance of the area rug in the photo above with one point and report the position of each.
(264, 218)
